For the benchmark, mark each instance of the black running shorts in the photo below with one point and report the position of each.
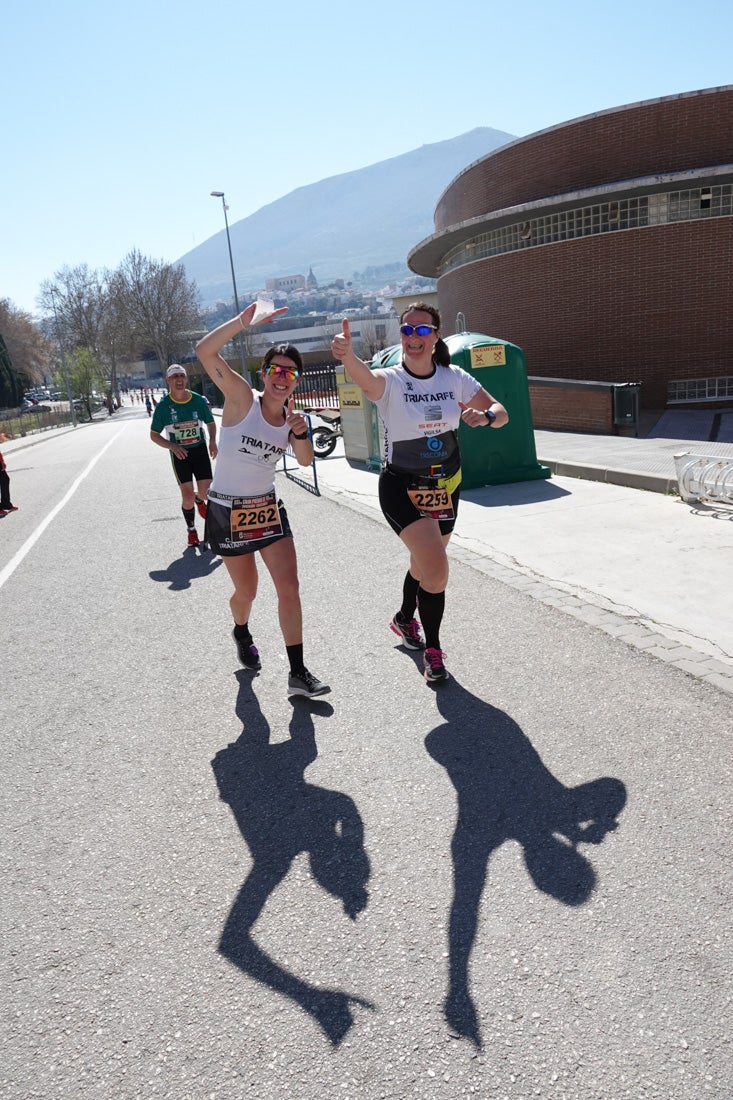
(398, 509)
(196, 464)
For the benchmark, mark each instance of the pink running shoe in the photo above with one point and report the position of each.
(409, 632)
(434, 669)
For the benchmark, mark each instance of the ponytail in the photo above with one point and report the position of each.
(441, 355)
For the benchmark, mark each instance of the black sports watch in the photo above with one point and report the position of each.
(491, 417)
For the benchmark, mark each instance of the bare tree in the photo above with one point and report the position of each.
(372, 338)
(77, 298)
(83, 318)
(28, 350)
(158, 303)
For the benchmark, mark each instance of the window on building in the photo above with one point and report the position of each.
(617, 214)
(690, 390)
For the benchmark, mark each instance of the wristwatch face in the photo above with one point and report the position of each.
(490, 416)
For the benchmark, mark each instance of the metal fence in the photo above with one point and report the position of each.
(14, 423)
(317, 389)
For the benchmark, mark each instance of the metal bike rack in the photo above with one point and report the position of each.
(704, 477)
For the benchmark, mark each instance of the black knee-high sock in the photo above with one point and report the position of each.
(295, 656)
(432, 606)
(409, 597)
(188, 515)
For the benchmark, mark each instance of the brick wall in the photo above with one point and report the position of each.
(643, 305)
(571, 408)
(693, 130)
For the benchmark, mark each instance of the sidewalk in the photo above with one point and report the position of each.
(623, 460)
(640, 565)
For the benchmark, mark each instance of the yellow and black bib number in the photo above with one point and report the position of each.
(432, 496)
(255, 518)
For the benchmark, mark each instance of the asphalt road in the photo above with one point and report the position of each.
(515, 886)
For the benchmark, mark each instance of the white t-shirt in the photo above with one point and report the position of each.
(421, 418)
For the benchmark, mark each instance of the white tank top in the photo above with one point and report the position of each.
(248, 454)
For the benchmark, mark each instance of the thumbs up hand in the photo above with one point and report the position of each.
(341, 344)
(295, 420)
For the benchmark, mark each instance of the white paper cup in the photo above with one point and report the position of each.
(263, 308)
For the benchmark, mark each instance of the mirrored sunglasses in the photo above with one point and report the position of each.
(421, 330)
(287, 374)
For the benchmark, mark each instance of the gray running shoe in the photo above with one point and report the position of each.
(306, 684)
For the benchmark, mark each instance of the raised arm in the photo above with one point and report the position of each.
(232, 385)
(370, 382)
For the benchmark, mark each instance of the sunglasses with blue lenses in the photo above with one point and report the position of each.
(421, 330)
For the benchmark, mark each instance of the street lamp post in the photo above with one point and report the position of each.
(240, 335)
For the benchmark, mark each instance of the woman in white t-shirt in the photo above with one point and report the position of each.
(244, 514)
(421, 403)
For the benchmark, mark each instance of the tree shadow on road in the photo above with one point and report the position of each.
(505, 792)
(280, 815)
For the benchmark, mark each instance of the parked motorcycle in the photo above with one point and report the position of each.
(325, 436)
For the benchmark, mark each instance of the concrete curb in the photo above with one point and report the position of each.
(630, 479)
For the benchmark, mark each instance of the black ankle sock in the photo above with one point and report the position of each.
(242, 632)
(432, 606)
(295, 656)
(410, 589)
(188, 515)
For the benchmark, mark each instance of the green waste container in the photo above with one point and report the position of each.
(489, 456)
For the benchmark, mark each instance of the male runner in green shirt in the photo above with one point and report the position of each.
(181, 415)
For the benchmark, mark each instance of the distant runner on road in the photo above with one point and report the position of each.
(182, 415)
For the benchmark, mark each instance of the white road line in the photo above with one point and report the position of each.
(28, 545)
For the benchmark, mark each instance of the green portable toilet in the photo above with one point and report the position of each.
(489, 456)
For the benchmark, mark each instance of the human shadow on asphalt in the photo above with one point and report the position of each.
(191, 566)
(280, 815)
(505, 792)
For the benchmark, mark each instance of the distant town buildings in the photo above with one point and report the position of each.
(285, 285)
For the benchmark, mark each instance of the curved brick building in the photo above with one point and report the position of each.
(603, 247)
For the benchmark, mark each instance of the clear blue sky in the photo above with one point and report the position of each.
(118, 119)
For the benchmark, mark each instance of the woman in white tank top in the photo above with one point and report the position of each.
(244, 514)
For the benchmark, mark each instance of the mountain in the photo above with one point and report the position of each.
(342, 224)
